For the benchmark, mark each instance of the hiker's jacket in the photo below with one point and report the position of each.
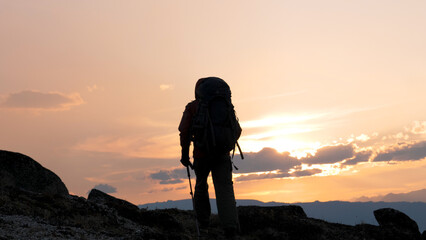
(185, 131)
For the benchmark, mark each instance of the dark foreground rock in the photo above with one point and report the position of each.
(72, 217)
(20, 171)
(123, 208)
(392, 219)
(26, 214)
(291, 222)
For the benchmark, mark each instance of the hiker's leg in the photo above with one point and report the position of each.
(201, 196)
(225, 198)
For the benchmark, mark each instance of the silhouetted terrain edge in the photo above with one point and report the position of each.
(30, 212)
(350, 213)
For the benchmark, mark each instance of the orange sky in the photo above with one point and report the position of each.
(95, 91)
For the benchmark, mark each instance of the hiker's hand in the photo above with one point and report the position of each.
(185, 161)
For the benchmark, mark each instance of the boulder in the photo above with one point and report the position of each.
(281, 222)
(69, 217)
(254, 217)
(22, 172)
(162, 219)
(123, 208)
(165, 218)
(390, 218)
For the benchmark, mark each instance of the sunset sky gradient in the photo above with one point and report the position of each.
(330, 94)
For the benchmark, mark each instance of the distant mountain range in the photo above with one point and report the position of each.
(350, 213)
(415, 196)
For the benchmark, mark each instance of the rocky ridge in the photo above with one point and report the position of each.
(45, 210)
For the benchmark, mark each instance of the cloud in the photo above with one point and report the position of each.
(268, 159)
(330, 154)
(269, 163)
(363, 138)
(306, 173)
(403, 152)
(173, 176)
(167, 189)
(106, 188)
(277, 174)
(400, 136)
(417, 127)
(35, 100)
(172, 181)
(269, 175)
(92, 88)
(363, 156)
(164, 87)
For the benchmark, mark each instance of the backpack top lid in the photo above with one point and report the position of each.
(211, 87)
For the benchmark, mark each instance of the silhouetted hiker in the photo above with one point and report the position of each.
(210, 123)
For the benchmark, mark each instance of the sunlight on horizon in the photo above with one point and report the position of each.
(276, 132)
(297, 149)
(280, 120)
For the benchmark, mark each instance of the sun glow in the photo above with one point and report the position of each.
(296, 148)
(326, 169)
(278, 132)
(279, 120)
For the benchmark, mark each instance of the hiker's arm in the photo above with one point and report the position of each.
(184, 129)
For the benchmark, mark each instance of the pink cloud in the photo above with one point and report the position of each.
(36, 100)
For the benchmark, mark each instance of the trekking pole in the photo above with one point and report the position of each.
(193, 202)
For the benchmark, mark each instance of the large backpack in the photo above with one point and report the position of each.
(215, 127)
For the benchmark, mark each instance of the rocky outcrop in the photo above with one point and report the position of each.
(291, 222)
(57, 210)
(166, 220)
(29, 214)
(25, 215)
(394, 220)
(123, 208)
(22, 172)
(388, 217)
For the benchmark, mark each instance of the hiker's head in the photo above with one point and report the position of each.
(203, 80)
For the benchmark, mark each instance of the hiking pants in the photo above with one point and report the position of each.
(221, 170)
